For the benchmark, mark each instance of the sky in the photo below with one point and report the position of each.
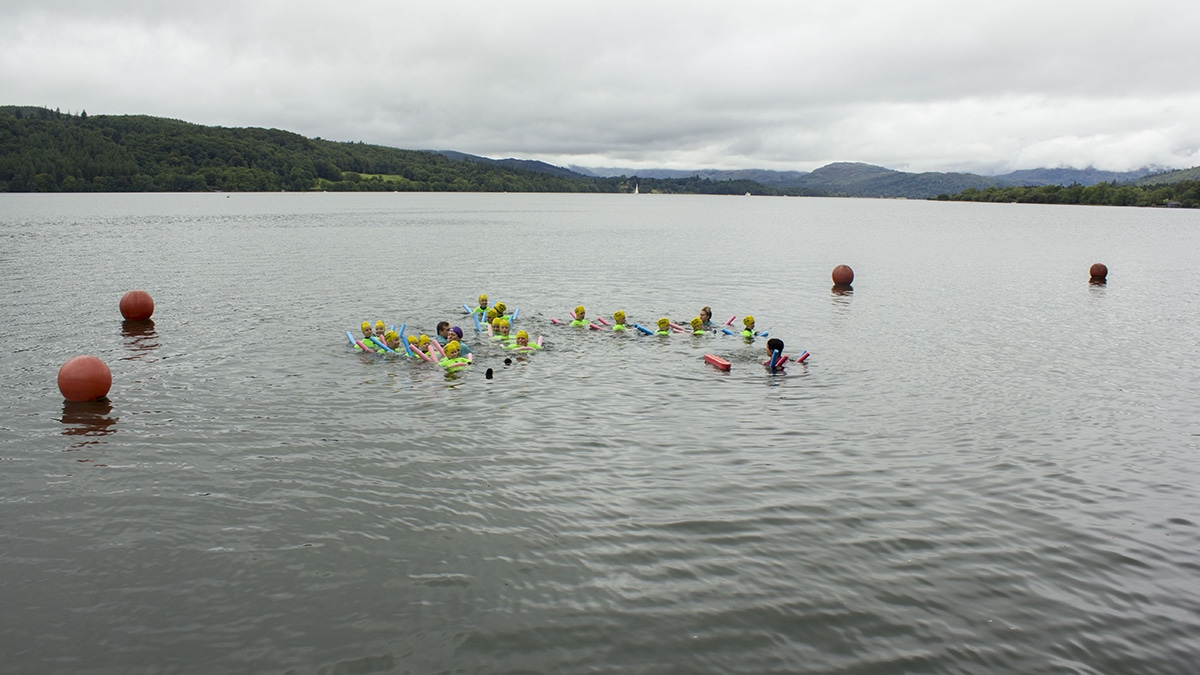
(919, 85)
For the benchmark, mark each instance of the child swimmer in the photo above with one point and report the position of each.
(619, 320)
(579, 320)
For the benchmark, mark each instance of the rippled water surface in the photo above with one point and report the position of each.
(987, 464)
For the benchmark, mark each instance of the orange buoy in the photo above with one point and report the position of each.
(843, 275)
(1099, 272)
(137, 305)
(84, 378)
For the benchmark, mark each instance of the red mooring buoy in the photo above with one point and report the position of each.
(137, 305)
(84, 378)
(843, 275)
(1099, 272)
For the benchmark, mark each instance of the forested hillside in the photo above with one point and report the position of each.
(47, 151)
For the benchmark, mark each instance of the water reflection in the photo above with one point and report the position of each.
(90, 419)
(140, 337)
(843, 290)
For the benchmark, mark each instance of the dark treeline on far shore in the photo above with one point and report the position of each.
(1185, 194)
(44, 150)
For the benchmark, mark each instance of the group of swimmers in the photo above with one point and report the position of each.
(448, 349)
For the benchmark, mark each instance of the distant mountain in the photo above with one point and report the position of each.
(1085, 177)
(762, 176)
(856, 179)
(511, 163)
(1170, 177)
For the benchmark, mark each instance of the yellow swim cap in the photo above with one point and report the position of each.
(453, 346)
(379, 325)
(423, 340)
(522, 334)
(579, 311)
(697, 322)
(492, 313)
(500, 307)
(664, 323)
(412, 339)
(619, 316)
(495, 322)
(503, 322)
(366, 326)
(391, 335)
(748, 321)
(482, 298)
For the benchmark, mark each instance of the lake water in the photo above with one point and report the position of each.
(987, 464)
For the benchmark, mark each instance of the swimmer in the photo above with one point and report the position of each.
(491, 315)
(366, 329)
(706, 316)
(748, 324)
(619, 320)
(698, 326)
(522, 342)
(664, 326)
(775, 345)
(380, 329)
(453, 359)
(443, 330)
(392, 339)
(501, 330)
(483, 305)
(456, 333)
(501, 308)
(579, 320)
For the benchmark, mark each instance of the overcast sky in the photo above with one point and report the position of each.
(912, 85)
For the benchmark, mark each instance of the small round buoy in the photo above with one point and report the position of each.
(84, 378)
(137, 305)
(1098, 272)
(843, 275)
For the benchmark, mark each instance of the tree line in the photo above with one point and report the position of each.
(1185, 194)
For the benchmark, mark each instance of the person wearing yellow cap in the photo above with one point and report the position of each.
(619, 320)
(579, 320)
(380, 329)
(501, 308)
(453, 360)
(501, 329)
(664, 326)
(366, 329)
(491, 314)
(748, 327)
(521, 343)
(698, 326)
(392, 339)
(483, 305)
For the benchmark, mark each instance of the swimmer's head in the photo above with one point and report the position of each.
(423, 341)
(452, 349)
(366, 328)
(504, 326)
(664, 323)
(501, 307)
(748, 322)
(774, 345)
(457, 332)
(482, 300)
(579, 312)
(522, 338)
(492, 314)
(619, 316)
(697, 323)
(706, 313)
(380, 329)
